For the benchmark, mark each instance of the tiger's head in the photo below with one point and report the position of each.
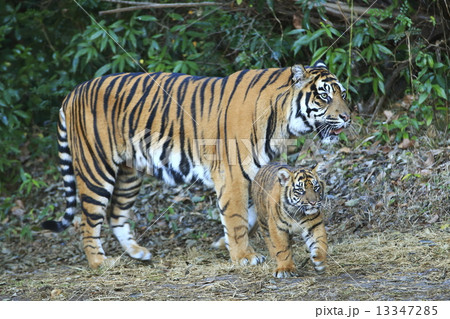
(302, 190)
(319, 103)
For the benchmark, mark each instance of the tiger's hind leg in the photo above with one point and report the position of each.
(127, 188)
(252, 226)
(94, 200)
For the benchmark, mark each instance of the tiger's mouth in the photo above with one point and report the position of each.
(336, 131)
(329, 133)
(306, 209)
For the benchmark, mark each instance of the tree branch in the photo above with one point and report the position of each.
(148, 5)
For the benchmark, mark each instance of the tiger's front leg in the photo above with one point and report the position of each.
(317, 243)
(278, 242)
(233, 205)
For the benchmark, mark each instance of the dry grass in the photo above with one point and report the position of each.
(381, 266)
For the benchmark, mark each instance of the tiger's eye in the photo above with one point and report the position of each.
(324, 96)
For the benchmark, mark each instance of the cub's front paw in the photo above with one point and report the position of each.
(285, 272)
(318, 261)
(320, 267)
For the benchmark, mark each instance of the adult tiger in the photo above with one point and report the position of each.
(182, 128)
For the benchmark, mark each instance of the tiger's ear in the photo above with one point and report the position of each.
(320, 64)
(318, 168)
(322, 189)
(299, 76)
(283, 176)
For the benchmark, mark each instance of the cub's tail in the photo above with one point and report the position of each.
(65, 163)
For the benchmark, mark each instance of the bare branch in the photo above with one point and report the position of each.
(148, 5)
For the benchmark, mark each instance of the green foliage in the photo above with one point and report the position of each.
(431, 86)
(29, 183)
(364, 55)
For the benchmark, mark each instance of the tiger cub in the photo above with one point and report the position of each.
(287, 201)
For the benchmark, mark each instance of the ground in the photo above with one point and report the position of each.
(387, 213)
(388, 266)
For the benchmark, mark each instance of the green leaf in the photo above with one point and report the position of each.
(430, 61)
(407, 176)
(381, 86)
(96, 35)
(365, 80)
(375, 86)
(103, 70)
(318, 54)
(439, 91)
(197, 199)
(22, 114)
(423, 97)
(147, 18)
(384, 49)
(343, 137)
(379, 74)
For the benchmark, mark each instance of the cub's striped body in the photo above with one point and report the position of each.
(287, 201)
(182, 129)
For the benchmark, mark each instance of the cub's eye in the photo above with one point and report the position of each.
(316, 188)
(324, 96)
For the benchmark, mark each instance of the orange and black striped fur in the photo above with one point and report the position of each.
(287, 201)
(185, 129)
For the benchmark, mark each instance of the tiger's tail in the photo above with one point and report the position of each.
(65, 163)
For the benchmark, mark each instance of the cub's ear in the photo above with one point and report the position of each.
(299, 76)
(283, 176)
(322, 189)
(320, 64)
(318, 168)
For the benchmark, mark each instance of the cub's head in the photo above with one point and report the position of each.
(302, 190)
(319, 103)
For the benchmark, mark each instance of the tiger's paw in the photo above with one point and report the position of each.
(220, 244)
(318, 261)
(139, 252)
(95, 260)
(284, 272)
(319, 267)
(252, 259)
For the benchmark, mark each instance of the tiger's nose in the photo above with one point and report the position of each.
(345, 117)
(312, 203)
